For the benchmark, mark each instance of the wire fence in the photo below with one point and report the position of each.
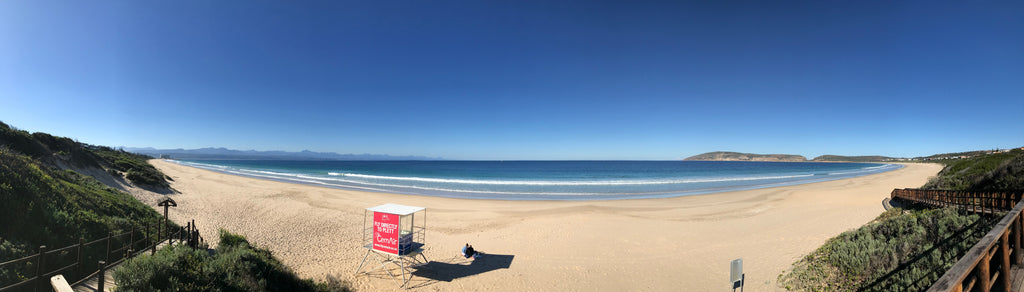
(84, 260)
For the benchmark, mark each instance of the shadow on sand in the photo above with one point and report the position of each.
(458, 267)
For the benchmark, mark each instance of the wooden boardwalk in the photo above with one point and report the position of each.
(92, 283)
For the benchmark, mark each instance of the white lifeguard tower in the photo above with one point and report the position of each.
(394, 235)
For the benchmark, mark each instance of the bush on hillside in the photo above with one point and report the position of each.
(1000, 171)
(50, 149)
(43, 205)
(909, 249)
(135, 166)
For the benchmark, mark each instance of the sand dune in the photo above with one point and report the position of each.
(673, 244)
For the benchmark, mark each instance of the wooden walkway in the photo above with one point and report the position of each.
(92, 283)
(971, 201)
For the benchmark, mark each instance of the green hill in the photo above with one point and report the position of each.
(997, 171)
(737, 156)
(56, 192)
(47, 202)
(840, 158)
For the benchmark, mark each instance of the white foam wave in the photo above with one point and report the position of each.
(391, 183)
(563, 183)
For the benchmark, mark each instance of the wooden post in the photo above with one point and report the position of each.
(159, 232)
(166, 225)
(188, 230)
(131, 240)
(78, 264)
(1017, 228)
(167, 203)
(1004, 250)
(148, 240)
(101, 277)
(109, 237)
(153, 246)
(983, 273)
(41, 259)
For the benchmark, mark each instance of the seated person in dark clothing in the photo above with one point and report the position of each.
(468, 251)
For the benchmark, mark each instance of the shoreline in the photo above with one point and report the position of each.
(469, 195)
(673, 243)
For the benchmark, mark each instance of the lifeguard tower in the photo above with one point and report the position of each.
(394, 234)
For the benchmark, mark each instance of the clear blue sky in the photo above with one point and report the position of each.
(520, 79)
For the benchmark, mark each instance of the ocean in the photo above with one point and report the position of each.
(543, 180)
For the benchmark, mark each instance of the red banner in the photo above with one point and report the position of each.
(385, 232)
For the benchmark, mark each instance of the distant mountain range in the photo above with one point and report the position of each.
(230, 154)
(737, 156)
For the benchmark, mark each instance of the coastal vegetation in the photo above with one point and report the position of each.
(235, 265)
(58, 192)
(133, 166)
(997, 171)
(901, 248)
(909, 248)
(47, 202)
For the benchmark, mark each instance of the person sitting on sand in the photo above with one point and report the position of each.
(468, 251)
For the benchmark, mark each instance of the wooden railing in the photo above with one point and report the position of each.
(987, 265)
(73, 261)
(971, 201)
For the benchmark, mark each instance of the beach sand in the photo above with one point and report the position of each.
(672, 244)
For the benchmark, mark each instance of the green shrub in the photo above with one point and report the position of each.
(173, 268)
(1000, 171)
(228, 239)
(42, 204)
(235, 266)
(136, 166)
(909, 249)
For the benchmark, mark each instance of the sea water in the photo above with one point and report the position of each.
(544, 180)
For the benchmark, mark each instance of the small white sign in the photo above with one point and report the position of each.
(736, 270)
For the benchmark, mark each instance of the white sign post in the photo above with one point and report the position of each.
(736, 275)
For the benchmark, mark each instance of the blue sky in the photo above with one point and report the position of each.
(519, 79)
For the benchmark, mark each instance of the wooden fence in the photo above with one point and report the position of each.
(971, 201)
(85, 260)
(988, 264)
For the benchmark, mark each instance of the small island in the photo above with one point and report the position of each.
(737, 156)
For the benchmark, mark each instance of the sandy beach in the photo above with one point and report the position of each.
(672, 244)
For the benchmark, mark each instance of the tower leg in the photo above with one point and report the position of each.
(364, 261)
